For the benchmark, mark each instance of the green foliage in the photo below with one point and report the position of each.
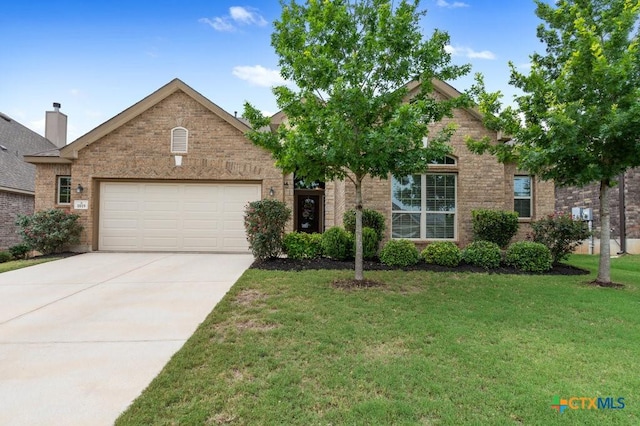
(20, 251)
(5, 256)
(560, 233)
(337, 243)
(578, 119)
(370, 219)
(370, 243)
(49, 231)
(529, 256)
(444, 253)
(399, 253)
(484, 254)
(302, 245)
(494, 225)
(350, 63)
(264, 223)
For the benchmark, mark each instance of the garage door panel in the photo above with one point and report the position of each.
(149, 216)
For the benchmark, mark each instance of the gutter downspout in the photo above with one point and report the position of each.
(623, 220)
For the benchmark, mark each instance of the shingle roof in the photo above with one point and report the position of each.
(16, 141)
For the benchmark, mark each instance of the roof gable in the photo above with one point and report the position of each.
(16, 141)
(71, 151)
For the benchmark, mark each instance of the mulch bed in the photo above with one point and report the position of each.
(285, 264)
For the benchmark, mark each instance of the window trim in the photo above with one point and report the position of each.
(530, 197)
(173, 140)
(423, 208)
(59, 187)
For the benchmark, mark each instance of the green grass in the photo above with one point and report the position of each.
(427, 348)
(18, 264)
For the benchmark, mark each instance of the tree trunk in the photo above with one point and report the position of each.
(604, 266)
(358, 262)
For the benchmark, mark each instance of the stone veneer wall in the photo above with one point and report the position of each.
(13, 204)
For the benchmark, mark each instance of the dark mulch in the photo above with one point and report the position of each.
(55, 255)
(285, 264)
(597, 283)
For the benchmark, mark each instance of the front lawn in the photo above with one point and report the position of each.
(18, 264)
(425, 348)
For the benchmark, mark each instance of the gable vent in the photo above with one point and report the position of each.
(179, 140)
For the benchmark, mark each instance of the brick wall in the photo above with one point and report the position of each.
(140, 149)
(11, 205)
(482, 182)
(588, 196)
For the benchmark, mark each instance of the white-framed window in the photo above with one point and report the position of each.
(522, 196)
(424, 206)
(63, 193)
(179, 140)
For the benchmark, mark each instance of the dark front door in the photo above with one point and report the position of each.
(309, 211)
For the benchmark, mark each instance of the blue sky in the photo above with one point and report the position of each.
(99, 58)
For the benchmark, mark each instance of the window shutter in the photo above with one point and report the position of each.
(179, 139)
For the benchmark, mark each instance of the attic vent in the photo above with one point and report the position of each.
(179, 139)
(4, 117)
(2, 147)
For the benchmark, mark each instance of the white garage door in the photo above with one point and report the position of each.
(137, 216)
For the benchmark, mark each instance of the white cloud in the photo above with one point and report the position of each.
(454, 5)
(237, 16)
(258, 75)
(469, 53)
(247, 16)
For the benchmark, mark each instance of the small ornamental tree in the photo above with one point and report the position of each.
(264, 222)
(49, 231)
(578, 119)
(349, 116)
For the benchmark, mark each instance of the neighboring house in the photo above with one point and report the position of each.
(174, 173)
(17, 178)
(625, 223)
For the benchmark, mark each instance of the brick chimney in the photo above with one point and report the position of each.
(56, 126)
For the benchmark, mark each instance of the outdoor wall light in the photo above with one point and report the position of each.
(79, 189)
(271, 192)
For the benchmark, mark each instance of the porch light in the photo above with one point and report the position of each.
(271, 192)
(79, 189)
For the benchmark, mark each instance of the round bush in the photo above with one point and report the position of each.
(484, 254)
(529, 256)
(5, 256)
(370, 219)
(444, 253)
(20, 251)
(399, 253)
(264, 221)
(302, 245)
(496, 226)
(49, 231)
(337, 243)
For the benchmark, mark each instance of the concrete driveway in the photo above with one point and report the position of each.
(81, 337)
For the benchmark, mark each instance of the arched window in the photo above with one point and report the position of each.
(179, 140)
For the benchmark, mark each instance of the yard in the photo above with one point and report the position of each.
(425, 348)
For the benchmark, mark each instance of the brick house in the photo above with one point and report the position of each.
(625, 222)
(17, 178)
(174, 172)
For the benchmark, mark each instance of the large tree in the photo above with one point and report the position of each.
(349, 116)
(578, 119)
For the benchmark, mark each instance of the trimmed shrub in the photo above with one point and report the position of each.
(302, 245)
(496, 226)
(484, 254)
(5, 256)
(444, 253)
(529, 256)
(49, 231)
(20, 251)
(264, 223)
(337, 243)
(370, 243)
(370, 219)
(399, 253)
(560, 233)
